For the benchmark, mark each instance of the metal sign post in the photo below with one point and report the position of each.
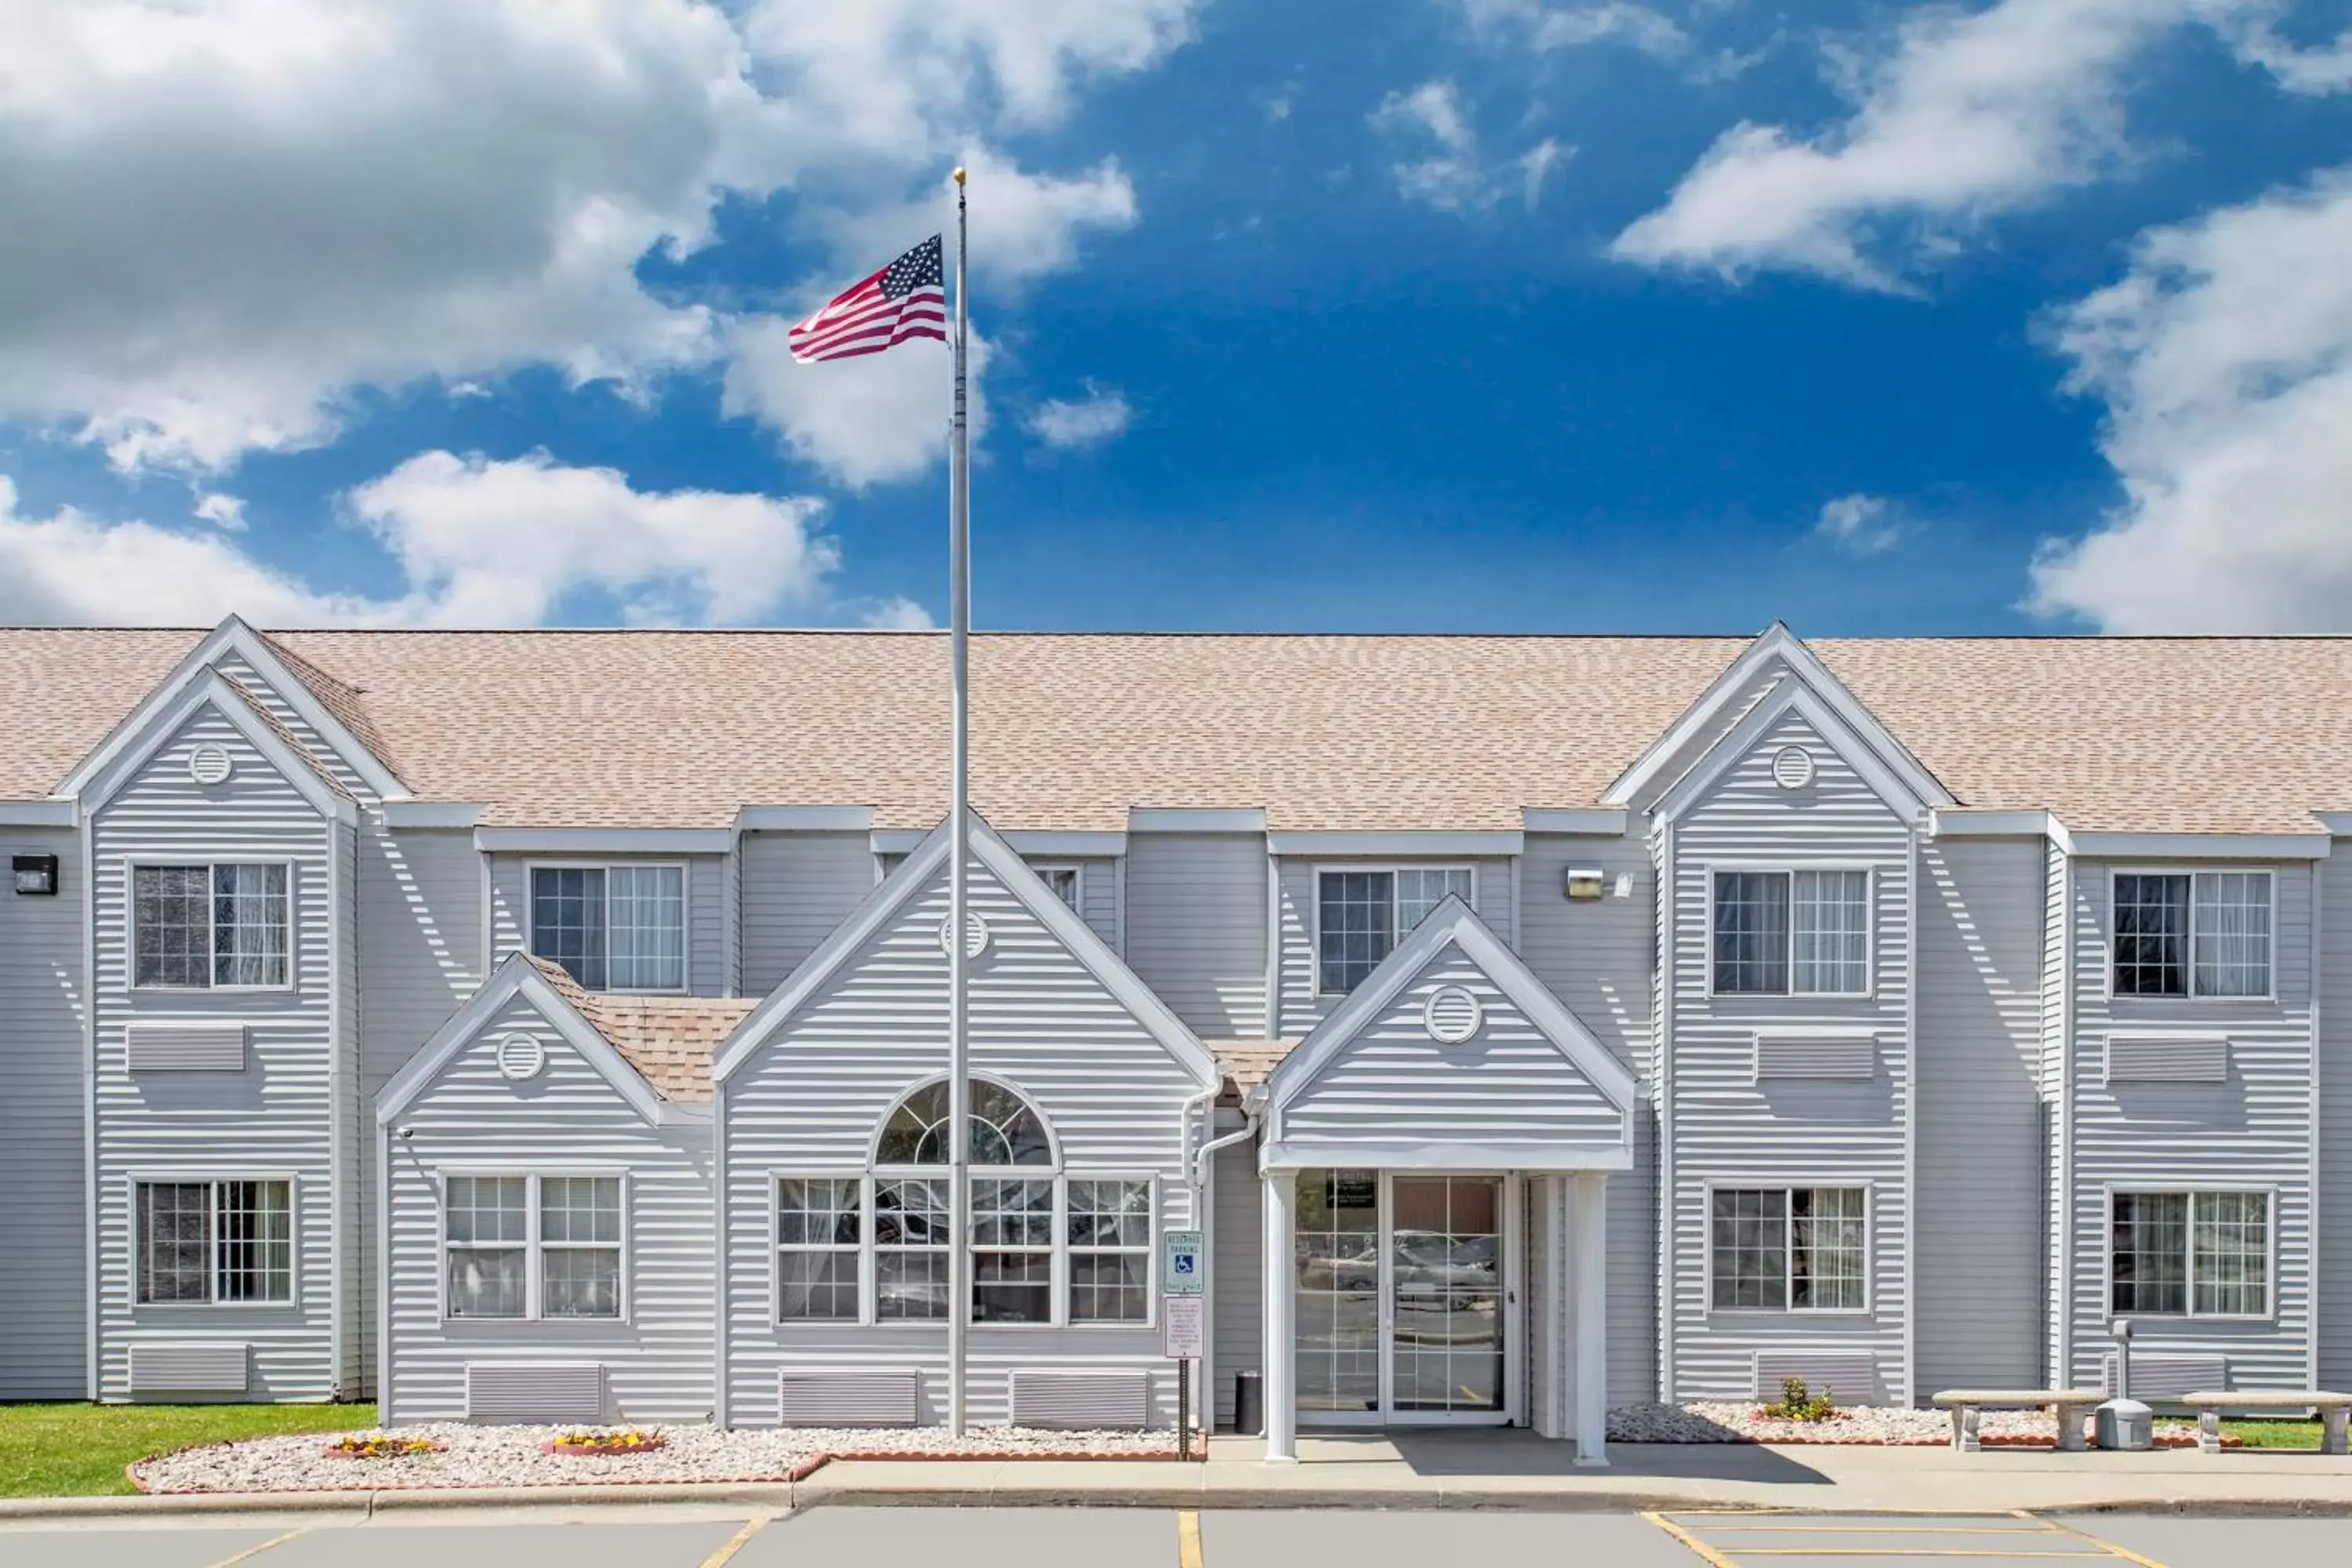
(1183, 1321)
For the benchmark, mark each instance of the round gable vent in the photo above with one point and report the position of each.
(210, 764)
(521, 1058)
(1452, 1015)
(1792, 767)
(975, 934)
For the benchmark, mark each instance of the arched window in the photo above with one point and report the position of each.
(1005, 1131)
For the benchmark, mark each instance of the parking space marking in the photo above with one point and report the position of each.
(1707, 1554)
(726, 1554)
(1730, 1539)
(1188, 1539)
(256, 1550)
(2125, 1553)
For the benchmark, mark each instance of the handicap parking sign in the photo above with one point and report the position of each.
(1183, 1272)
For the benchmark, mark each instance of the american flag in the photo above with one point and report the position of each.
(907, 298)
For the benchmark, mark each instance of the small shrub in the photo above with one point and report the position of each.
(1798, 1402)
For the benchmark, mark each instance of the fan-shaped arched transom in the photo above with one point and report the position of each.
(1005, 1130)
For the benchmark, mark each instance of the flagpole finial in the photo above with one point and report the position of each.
(959, 174)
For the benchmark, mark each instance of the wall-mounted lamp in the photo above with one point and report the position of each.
(1586, 882)
(36, 874)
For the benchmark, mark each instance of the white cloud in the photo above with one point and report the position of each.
(222, 511)
(875, 420)
(1444, 169)
(2224, 356)
(1022, 225)
(1066, 423)
(1536, 25)
(2323, 68)
(1970, 114)
(476, 542)
(897, 614)
(227, 215)
(1860, 524)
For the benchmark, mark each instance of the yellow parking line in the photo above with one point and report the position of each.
(1707, 1554)
(2009, 1529)
(2125, 1553)
(256, 1550)
(721, 1558)
(1904, 1551)
(1188, 1539)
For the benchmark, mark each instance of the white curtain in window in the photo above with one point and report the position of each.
(1828, 945)
(2232, 933)
(1419, 890)
(646, 914)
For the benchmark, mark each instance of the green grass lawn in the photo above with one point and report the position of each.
(2262, 1433)
(79, 1450)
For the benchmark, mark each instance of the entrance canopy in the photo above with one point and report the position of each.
(1452, 1055)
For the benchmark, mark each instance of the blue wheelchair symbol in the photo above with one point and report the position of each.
(1183, 1263)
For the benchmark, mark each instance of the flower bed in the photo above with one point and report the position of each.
(463, 1455)
(605, 1443)
(381, 1446)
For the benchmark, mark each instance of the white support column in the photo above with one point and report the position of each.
(1591, 1319)
(1280, 1356)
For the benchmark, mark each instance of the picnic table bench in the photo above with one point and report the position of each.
(2333, 1410)
(1966, 1404)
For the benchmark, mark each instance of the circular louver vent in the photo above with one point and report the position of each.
(521, 1056)
(1792, 767)
(1452, 1015)
(209, 764)
(975, 934)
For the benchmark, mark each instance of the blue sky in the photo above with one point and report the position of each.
(1462, 315)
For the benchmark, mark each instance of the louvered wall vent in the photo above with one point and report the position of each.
(1811, 1054)
(2168, 1376)
(534, 1391)
(1792, 767)
(1851, 1377)
(1082, 1399)
(188, 1368)
(849, 1399)
(185, 1047)
(2168, 1059)
(1452, 1015)
(209, 764)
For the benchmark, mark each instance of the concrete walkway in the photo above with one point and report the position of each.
(1438, 1470)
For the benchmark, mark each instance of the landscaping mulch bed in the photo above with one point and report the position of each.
(1706, 1421)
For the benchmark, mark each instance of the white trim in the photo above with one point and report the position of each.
(722, 1205)
(342, 1055)
(1191, 819)
(1908, 796)
(1095, 846)
(224, 696)
(2189, 994)
(1866, 1185)
(862, 1315)
(384, 1359)
(601, 841)
(54, 812)
(2339, 824)
(1778, 641)
(91, 1317)
(1969, 822)
(1274, 997)
(2164, 1187)
(534, 1245)
(1711, 869)
(528, 919)
(1313, 914)
(902, 887)
(1914, 880)
(1605, 822)
(1446, 1159)
(423, 813)
(2062, 1306)
(233, 636)
(130, 865)
(2204, 846)
(897, 840)
(804, 819)
(1411, 844)
(179, 1175)
(516, 977)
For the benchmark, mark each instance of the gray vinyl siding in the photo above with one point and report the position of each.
(814, 1097)
(274, 1118)
(1301, 1005)
(1729, 1131)
(1237, 1269)
(2057, 1004)
(567, 1120)
(42, 1160)
(796, 887)
(1196, 928)
(2335, 1227)
(707, 925)
(1981, 1272)
(2253, 1130)
(1632, 1258)
(1508, 1088)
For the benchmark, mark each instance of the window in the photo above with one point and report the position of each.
(820, 1220)
(1109, 1230)
(2190, 1254)
(533, 1246)
(2203, 933)
(1063, 880)
(1800, 1250)
(216, 1242)
(206, 926)
(1361, 916)
(613, 928)
(910, 1248)
(1013, 1249)
(1791, 933)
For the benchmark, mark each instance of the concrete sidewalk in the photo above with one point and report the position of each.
(1432, 1471)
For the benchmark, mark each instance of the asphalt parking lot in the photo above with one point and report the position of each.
(1142, 1538)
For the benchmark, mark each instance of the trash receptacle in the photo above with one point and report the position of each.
(1249, 1402)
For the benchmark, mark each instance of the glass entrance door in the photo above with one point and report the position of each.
(1399, 1298)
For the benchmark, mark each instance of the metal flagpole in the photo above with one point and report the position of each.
(959, 1081)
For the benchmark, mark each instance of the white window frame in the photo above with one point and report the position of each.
(1077, 870)
(1869, 991)
(685, 868)
(137, 1248)
(2160, 1188)
(1063, 1251)
(1786, 1184)
(2189, 939)
(1318, 870)
(534, 1255)
(777, 1246)
(130, 867)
